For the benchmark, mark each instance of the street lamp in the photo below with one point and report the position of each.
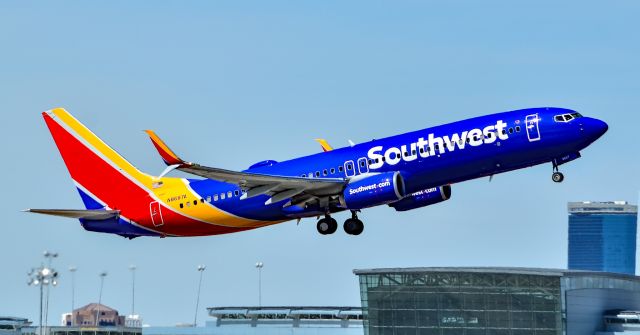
(42, 276)
(102, 275)
(201, 269)
(259, 266)
(73, 270)
(133, 289)
(49, 256)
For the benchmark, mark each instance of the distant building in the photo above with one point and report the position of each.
(294, 320)
(492, 301)
(86, 316)
(14, 326)
(602, 236)
(621, 322)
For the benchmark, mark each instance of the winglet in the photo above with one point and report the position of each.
(168, 156)
(324, 144)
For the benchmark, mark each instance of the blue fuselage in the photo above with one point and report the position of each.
(430, 157)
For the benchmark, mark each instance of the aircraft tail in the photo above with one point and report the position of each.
(104, 179)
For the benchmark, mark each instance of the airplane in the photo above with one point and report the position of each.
(406, 171)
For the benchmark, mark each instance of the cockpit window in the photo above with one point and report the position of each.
(566, 117)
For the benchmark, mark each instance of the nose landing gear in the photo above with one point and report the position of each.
(557, 176)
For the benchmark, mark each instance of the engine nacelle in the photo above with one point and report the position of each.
(423, 198)
(374, 190)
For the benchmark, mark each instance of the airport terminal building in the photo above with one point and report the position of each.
(492, 301)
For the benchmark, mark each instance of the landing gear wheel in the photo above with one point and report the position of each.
(353, 226)
(327, 226)
(557, 177)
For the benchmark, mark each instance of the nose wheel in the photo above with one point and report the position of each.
(557, 176)
(327, 225)
(353, 226)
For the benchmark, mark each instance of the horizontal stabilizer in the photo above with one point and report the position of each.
(89, 214)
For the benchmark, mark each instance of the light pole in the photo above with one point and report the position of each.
(102, 275)
(259, 266)
(49, 256)
(201, 269)
(42, 276)
(73, 270)
(133, 289)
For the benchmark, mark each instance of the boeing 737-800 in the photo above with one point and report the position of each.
(405, 171)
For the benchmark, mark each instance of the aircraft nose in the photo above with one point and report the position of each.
(596, 128)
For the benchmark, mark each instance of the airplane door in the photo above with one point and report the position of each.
(363, 167)
(349, 169)
(533, 132)
(156, 214)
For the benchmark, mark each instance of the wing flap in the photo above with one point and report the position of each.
(89, 214)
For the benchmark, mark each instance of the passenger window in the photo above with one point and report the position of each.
(333, 170)
(504, 131)
(222, 196)
(209, 199)
(304, 175)
(317, 173)
(201, 201)
(340, 168)
(413, 152)
(195, 202)
(229, 194)
(421, 150)
(510, 130)
(188, 204)
(324, 172)
(215, 197)
(518, 128)
(236, 192)
(181, 205)
(349, 167)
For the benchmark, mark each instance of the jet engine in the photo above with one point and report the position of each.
(423, 198)
(373, 190)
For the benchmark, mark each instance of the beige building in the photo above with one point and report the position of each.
(86, 316)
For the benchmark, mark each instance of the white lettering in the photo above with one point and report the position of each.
(437, 145)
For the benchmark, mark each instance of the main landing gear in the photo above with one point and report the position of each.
(329, 225)
(557, 176)
(353, 226)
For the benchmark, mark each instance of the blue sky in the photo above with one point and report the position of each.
(230, 83)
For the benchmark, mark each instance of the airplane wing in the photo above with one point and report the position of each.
(89, 214)
(279, 187)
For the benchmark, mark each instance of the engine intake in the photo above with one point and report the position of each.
(374, 190)
(423, 198)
